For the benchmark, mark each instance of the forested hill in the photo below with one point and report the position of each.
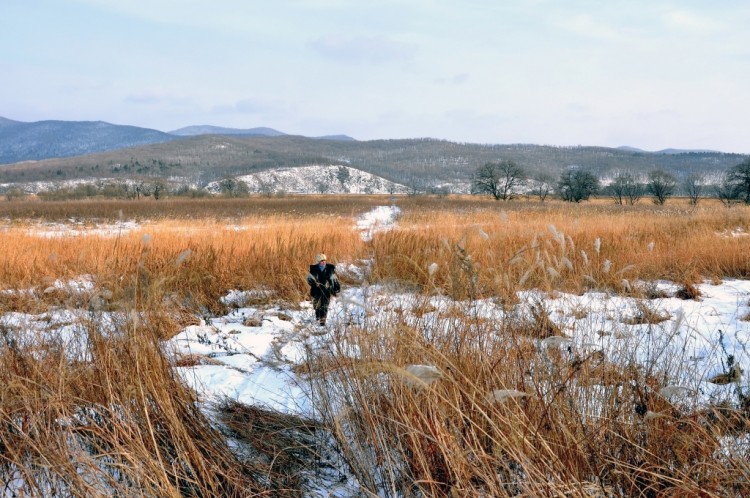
(21, 141)
(423, 162)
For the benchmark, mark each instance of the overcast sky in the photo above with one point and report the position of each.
(650, 74)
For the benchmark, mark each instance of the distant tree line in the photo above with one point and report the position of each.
(506, 180)
(155, 189)
(140, 189)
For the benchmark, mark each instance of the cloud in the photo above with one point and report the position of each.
(584, 25)
(226, 14)
(262, 109)
(250, 106)
(456, 79)
(375, 49)
(578, 108)
(156, 98)
(689, 21)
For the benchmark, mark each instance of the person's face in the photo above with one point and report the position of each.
(322, 262)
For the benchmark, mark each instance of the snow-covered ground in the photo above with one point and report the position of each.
(74, 228)
(252, 350)
(379, 219)
(252, 363)
(250, 353)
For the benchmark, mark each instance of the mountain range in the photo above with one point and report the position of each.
(22, 141)
(55, 151)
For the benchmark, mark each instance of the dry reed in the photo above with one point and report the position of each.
(501, 418)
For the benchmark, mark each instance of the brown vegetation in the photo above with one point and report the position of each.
(117, 418)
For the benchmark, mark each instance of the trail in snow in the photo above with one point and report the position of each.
(380, 219)
(252, 363)
(248, 355)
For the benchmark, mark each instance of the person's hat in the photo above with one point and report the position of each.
(320, 257)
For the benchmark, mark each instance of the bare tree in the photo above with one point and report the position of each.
(501, 180)
(415, 187)
(739, 176)
(661, 185)
(543, 185)
(232, 187)
(266, 188)
(576, 185)
(138, 189)
(15, 193)
(694, 188)
(727, 191)
(160, 188)
(625, 189)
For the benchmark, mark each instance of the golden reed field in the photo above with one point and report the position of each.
(121, 423)
(268, 241)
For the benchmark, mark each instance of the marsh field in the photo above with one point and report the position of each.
(480, 348)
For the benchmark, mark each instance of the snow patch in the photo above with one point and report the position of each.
(380, 219)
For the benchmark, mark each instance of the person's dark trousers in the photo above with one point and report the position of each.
(320, 303)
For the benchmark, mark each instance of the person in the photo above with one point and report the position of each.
(323, 284)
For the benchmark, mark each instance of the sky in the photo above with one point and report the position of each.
(650, 74)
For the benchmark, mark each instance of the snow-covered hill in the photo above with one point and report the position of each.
(315, 179)
(300, 180)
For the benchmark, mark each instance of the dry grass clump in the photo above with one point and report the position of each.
(192, 263)
(558, 246)
(111, 420)
(688, 291)
(646, 315)
(277, 448)
(482, 410)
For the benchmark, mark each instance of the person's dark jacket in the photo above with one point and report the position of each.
(323, 283)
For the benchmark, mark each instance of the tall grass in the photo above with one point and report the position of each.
(563, 247)
(199, 260)
(104, 414)
(106, 417)
(500, 416)
(510, 407)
